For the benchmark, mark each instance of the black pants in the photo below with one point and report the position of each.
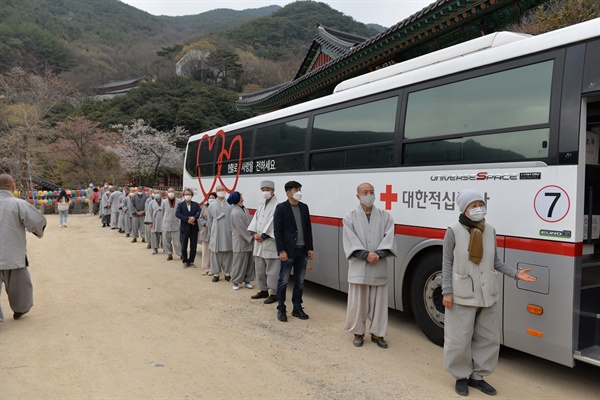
(192, 237)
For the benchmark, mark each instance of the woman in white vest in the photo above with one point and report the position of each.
(470, 289)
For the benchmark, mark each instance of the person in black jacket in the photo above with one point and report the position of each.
(293, 238)
(188, 212)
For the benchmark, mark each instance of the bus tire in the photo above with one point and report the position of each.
(426, 296)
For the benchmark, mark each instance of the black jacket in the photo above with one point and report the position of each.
(183, 214)
(286, 233)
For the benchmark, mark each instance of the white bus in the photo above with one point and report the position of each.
(514, 116)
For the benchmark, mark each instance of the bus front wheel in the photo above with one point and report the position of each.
(426, 297)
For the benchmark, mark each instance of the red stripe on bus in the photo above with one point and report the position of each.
(544, 246)
(419, 231)
(327, 221)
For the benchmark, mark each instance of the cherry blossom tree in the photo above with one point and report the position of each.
(146, 151)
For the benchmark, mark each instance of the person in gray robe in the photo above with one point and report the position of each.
(154, 221)
(138, 214)
(266, 259)
(204, 234)
(17, 217)
(220, 243)
(171, 242)
(147, 230)
(128, 214)
(115, 202)
(369, 242)
(105, 210)
(122, 205)
(242, 267)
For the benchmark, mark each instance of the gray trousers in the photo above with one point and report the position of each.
(221, 261)
(156, 240)
(366, 301)
(114, 219)
(18, 288)
(171, 242)
(471, 341)
(127, 223)
(205, 258)
(120, 224)
(242, 267)
(137, 226)
(267, 273)
(147, 232)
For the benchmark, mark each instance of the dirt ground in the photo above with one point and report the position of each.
(112, 321)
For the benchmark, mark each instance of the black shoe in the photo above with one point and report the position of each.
(263, 294)
(358, 340)
(186, 265)
(227, 278)
(299, 313)
(104, 225)
(169, 257)
(215, 278)
(133, 240)
(281, 314)
(18, 315)
(379, 341)
(483, 386)
(462, 387)
(149, 246)
(143, 240)
(271, 299)
(127, 235)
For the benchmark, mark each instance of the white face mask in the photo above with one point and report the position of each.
(477, 214)
(221, 194)
(171, 195)
(140, 193)
(187, 197)
(368, 200)
(157, 196)
(297, 196)
(267, 195)
(210, 201)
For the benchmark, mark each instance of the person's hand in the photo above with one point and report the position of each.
(150, 224)
(524, 276)
(283, 256)
(447, 301)
(372, 258)
(311, 255)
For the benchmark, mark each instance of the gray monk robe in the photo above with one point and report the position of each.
(220, 242)
(266, 260)
(115, 203)
(367, 289)
(154, 216)
(242, 268)
(171, 242)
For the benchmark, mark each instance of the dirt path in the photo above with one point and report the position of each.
(111, 321)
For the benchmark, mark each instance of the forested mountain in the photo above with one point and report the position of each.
(90, 42)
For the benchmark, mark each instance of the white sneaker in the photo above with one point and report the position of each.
(236, 286)
(248, 285)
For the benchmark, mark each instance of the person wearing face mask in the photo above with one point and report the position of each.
(369, 241)
(266, 260)
(188, 212)
(204, 234)
(128, 214)
(105, 209)
(125, 218)
(171, 242)
(220, 244)
(147, 228)
(138, 211)
(293, 238)
(154, 220)
(242, 266)
(470, 291)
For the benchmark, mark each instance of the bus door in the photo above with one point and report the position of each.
(588, 336)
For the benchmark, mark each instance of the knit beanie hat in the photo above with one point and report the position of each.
(234, 198)
(466, 197)
(267, 184)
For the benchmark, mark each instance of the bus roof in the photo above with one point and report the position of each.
(478, 52)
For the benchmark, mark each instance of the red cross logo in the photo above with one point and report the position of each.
(388, 197)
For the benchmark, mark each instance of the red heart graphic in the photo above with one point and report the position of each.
(211, 143)
(227, 154)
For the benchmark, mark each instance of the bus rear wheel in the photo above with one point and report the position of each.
(426, 297)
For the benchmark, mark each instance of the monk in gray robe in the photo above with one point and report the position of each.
(16, 216)
(115, 203)
(220, 243)
(171, 242)
(368, 242)
(105, 209)
(154, 220)
(242, 267)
